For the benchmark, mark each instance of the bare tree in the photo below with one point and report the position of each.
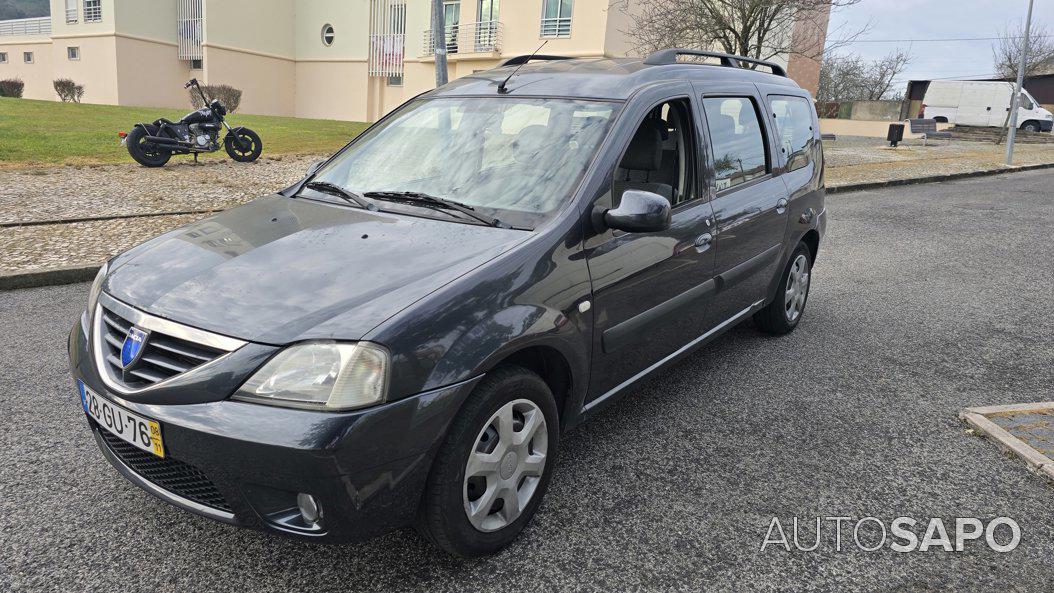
(852, 78)
(1006, 53)
(754, 28)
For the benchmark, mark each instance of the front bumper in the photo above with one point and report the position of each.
(367, 468)
(1046, 125)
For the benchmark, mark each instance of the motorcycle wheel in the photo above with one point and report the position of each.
(243, 145)
(143, 152)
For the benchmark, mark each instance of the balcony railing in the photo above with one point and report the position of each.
(71, 15)
(556, 27)
(35, 26)
(189, 23)
(481, 37)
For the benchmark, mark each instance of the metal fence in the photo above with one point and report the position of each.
(34, 26)
(481, 37)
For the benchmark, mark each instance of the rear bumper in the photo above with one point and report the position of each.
(366, 468)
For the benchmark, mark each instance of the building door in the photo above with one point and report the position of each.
(486, 25)
(451, 23)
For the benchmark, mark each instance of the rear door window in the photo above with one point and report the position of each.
(794, 126)
(736, 140)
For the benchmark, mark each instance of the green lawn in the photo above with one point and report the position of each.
(51, 133)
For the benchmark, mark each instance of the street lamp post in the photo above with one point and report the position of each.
(1011, 132)
(439, 41)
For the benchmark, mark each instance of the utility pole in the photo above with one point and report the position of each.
(439, 41)
(1011, 132)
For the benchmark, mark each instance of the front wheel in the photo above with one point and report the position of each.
(494, 465)
(782, 315)
(1030, 126)
(143, 151)
(243, 145)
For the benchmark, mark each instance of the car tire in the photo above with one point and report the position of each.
(785, 311)
(1030, 126)
(145, 156)
(508, 394)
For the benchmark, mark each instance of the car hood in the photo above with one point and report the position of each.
(279, 269)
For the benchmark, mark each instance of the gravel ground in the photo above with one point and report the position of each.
(926, 299)
(28, 195)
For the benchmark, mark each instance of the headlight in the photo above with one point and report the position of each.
(96, 288)
(326, 376)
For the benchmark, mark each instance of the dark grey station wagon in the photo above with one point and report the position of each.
(402, 337)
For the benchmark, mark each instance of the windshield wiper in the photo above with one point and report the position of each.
(428, 200)
(336, 190)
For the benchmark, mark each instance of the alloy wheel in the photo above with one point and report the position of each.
(505, 465)
(797, 288)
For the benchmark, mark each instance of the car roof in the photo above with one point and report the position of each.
(598, 78)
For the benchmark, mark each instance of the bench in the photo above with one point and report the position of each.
(928, 129)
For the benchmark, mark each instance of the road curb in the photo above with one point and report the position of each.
(977, 418)
(53, 277)
(71, 275)
(839, 189)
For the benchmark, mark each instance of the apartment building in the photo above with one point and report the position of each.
(339, 59)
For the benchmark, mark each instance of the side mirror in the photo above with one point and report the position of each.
(639, 212)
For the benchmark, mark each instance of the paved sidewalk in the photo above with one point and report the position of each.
(37, 195)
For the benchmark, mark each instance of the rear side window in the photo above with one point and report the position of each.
(793, 117)
(736, 140)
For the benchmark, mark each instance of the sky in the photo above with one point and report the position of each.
(894, 22)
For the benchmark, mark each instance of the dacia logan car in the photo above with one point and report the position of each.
(401, 337)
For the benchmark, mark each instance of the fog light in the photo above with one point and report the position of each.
(310, 510)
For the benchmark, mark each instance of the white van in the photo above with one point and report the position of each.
(982, 103)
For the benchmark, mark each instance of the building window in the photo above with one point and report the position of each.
(195, 64)
(92, 11)
(27, 57)
(327, 35)
(395, 80)
(3, 57)
(73, 53)
(71, 12)
(556, 18)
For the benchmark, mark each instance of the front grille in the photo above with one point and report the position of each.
(163, 356)
(181, 479)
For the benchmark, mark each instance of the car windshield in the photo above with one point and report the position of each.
(517, 159)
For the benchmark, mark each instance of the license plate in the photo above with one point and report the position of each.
(132, 428)
(124, 141)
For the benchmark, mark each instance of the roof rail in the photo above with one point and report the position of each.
(669, 56)
(516, 61)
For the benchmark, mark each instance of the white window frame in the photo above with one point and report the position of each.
(92, 11)
(72, 15)
(27, 57)
(3, 57)
(73, 53)
(558, 27)
(332, 33)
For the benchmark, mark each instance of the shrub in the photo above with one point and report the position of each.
(69, 91)
(228, 95)
(11, 87)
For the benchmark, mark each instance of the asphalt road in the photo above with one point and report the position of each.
(926, 299)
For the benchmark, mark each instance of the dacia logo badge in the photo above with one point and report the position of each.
(133, 346)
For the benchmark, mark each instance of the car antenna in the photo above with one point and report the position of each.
(501, 87)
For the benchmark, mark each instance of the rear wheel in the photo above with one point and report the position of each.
(243, 145)
(494, 466)
(145, 153)
(782, 315)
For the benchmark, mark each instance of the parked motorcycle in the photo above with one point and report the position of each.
(151, 145)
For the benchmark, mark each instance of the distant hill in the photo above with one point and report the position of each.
(23, 9)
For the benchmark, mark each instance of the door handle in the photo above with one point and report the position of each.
(703, 242)
(781, 206)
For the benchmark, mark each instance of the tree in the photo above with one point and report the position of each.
(758, 29)
(851, 78)
(1006, 53)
